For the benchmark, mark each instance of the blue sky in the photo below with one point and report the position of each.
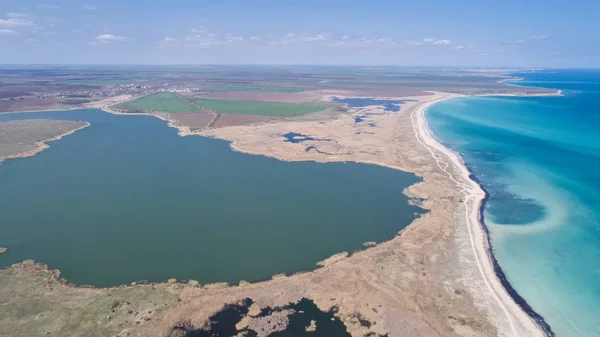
(528, 33)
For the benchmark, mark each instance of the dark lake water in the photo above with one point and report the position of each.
(127, 199)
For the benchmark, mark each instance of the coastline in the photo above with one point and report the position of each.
(41, 145)
(474, 200)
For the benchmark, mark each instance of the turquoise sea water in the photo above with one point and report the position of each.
(127, 199)
(538, 159)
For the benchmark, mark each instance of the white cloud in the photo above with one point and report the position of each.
(47, 6)
(459, 47)
(294, 38)
(7, 32)
(18, 15)
(107, 38)
(361, 41)
(429, 40)
(534, 37)
(387, 41)
(16, 22)
(89, 7)
(202, 37)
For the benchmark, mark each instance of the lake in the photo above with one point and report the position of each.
(127, 199)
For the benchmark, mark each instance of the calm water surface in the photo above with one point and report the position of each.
(127, 199)
(538, 158)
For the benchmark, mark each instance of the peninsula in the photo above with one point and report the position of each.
(24, 138)
(435, 278)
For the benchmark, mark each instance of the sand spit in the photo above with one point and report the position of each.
(21, 134)
(434, 279)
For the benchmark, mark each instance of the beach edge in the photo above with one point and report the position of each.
(475, 198)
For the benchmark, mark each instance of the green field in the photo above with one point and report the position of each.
(160, 102)
(258, 108)
(252, 88)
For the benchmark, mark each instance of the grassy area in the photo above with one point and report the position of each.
(253, 88)
(34, 303)
(258, 108)
(160, 102)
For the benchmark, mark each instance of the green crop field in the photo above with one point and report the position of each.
(258, 108)
(160, 102)
(253, 88)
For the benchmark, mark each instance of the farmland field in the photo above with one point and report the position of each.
(258, 108)
(253, 88)
(161, 102)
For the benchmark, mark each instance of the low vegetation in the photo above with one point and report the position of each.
(258, 108)
(253, 88)
(36, 303)
(160, 102)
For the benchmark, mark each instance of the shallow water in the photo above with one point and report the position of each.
(358, 102)
(127, 199)
(538, 159)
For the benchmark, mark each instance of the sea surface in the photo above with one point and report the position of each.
(127, 199)
(538, 158)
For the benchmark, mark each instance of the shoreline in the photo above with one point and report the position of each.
(481, 197)
(474, 201)
(528, 309)
(41, 145)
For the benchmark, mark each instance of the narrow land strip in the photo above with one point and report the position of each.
(25, 138)
(434, 279)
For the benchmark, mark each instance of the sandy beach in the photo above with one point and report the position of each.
(435, 278)
(518, 323)
(477, 274)
(489, 295)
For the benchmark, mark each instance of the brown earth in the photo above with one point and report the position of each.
(423, 282)
(229, 120)
(193, 120)
(32, 104)
(283, 97)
